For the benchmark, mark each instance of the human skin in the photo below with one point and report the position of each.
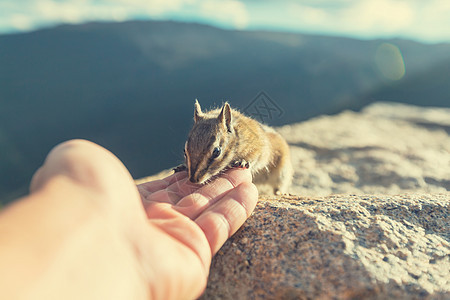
(86, 231)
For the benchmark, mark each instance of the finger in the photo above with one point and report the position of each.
(156, 185)
(195, 203)
(83, 162)
(224, 218)
(90, 168)
(161, 196)
(171, 194)
(36, 180)
(184, 187)
(181, 229)
(176, 177)
(148, 188)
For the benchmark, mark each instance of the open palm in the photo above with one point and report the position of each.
(197, 218)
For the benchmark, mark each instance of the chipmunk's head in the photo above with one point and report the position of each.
(208, 150)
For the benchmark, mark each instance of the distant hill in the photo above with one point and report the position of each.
(130, 86)
(431, 87)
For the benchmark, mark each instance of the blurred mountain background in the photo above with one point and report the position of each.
(130, 86)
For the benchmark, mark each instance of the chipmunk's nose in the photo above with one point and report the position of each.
(193, 176)
(193, 179)
(196, 177)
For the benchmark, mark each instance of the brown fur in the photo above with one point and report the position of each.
(243, 142)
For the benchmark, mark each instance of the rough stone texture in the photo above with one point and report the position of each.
(338, 247)
(386, 149)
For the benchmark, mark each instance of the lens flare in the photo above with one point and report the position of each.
(390, 62)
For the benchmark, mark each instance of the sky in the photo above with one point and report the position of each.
(423, 20)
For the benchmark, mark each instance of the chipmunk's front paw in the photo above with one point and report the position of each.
(179, 168)
(240, 164)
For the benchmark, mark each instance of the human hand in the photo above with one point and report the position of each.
(170, 227)
(201, 218)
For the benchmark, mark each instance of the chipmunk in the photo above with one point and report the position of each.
(225, 138)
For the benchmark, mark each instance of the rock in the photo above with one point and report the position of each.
(338, 247)
(385, 149)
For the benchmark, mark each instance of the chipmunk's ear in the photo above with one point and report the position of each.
(197, 111)
(225, 116)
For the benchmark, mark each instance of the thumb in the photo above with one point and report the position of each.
(92, 168)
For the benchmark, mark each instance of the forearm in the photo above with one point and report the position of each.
(64, 247)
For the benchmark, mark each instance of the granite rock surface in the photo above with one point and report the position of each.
(385, 149)
(338, 247)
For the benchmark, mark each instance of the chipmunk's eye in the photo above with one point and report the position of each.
(216, 152)
(184, 152)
